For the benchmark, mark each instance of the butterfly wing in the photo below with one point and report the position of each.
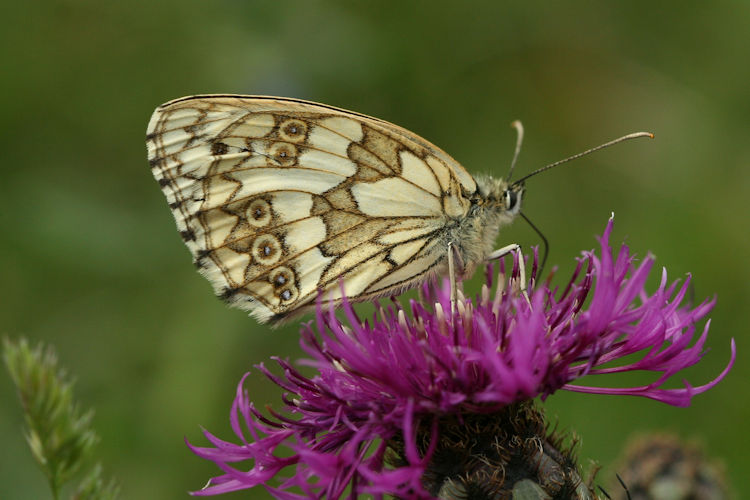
(278, 199)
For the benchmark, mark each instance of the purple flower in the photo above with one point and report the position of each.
(380, 381)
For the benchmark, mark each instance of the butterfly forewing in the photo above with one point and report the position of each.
(278, 199)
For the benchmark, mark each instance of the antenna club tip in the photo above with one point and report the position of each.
(634, 135)
(516, 124)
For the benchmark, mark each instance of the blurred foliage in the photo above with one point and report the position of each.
(90, 260)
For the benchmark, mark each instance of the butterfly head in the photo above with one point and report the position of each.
(494, 204)
(499, 197)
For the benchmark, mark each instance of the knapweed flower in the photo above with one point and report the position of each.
(434, 400)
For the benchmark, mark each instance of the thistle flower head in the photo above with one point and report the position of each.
(370, 420)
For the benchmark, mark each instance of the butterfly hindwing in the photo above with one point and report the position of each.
(278, 198)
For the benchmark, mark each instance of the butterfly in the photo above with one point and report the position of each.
(281, 199)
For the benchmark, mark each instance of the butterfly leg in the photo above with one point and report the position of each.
(513, 248)
(452, 276)
(454, 260)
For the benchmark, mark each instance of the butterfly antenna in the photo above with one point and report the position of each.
(605, 492)
(519, 140)
(624, 486)
(624, 138)
(545, 243)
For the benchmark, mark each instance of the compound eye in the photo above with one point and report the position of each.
(510, 198)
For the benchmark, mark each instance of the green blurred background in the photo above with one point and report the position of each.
(91, 262)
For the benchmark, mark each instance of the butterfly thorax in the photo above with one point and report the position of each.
(493, 205)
